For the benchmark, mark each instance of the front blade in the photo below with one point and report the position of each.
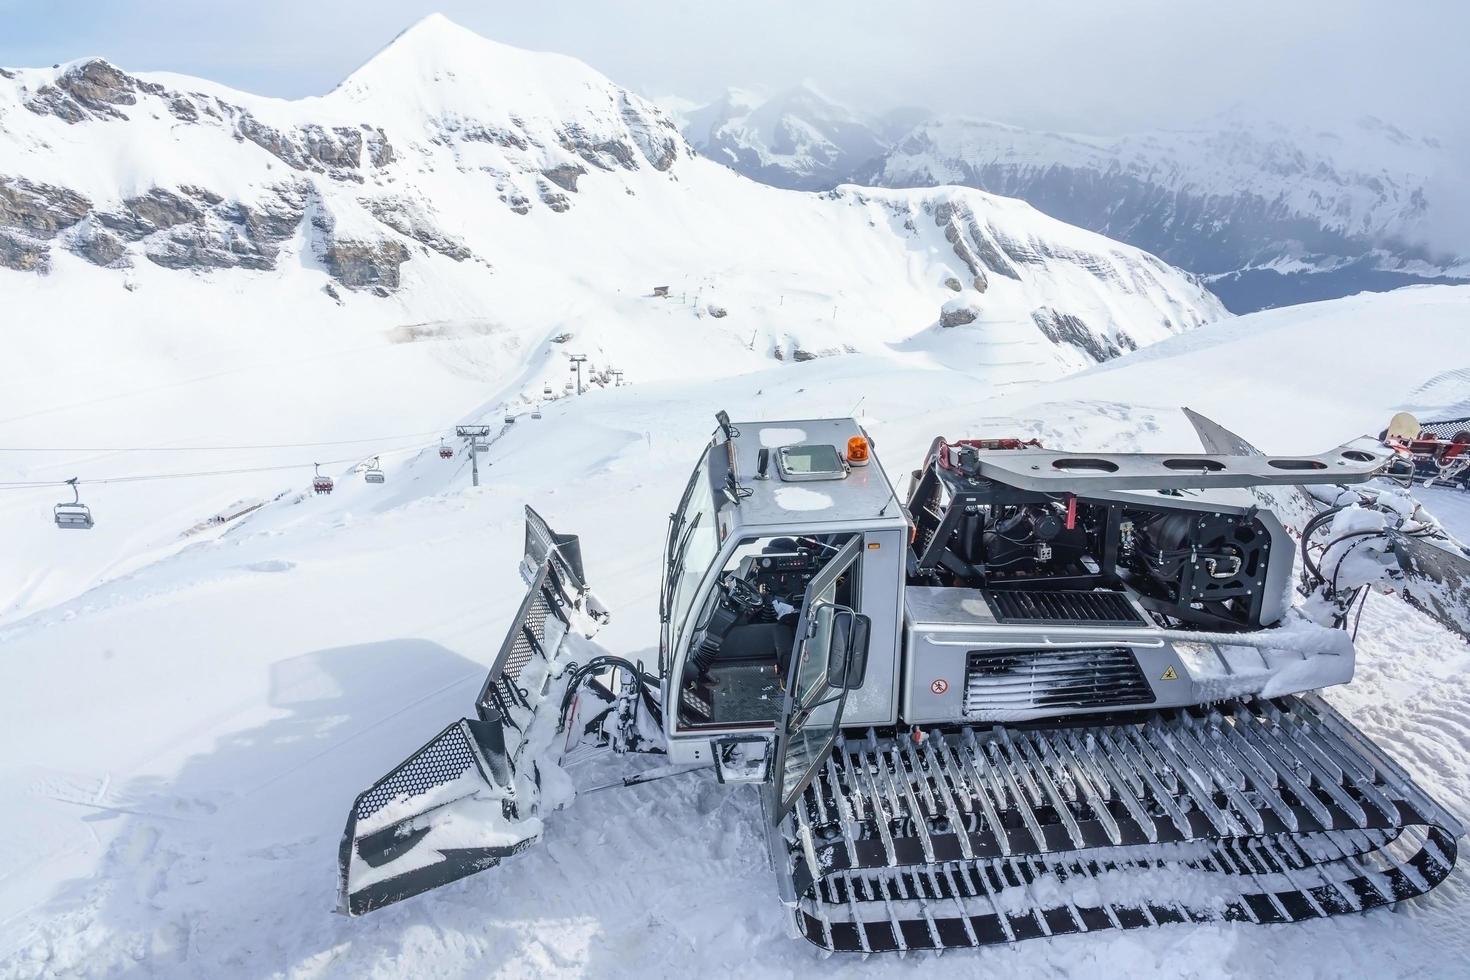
(474, 794)
(449, 810)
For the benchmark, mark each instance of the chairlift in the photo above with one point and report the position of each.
(374, 473)
(567, 386)
(321, 484)
(75, 514)
(546, 388)
(510, 419)
(536, 412)
(444, 451)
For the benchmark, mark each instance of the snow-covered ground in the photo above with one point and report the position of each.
(187, 720)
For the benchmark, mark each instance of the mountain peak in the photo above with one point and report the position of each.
(436, 57)
(433, 32)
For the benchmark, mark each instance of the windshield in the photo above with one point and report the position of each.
(695, 545)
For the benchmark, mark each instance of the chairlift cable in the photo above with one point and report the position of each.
(206, 449)
(143, 477)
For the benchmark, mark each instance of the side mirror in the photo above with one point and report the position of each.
(848, 661)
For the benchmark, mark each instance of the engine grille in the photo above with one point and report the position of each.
(1003, 683)
(1062, 608)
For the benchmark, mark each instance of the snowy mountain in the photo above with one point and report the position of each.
(187, 265)
(797, 139)
(1270, 214)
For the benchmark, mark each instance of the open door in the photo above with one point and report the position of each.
(826, 662)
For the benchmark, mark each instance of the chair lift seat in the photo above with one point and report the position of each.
(77, 516)
(322, 484)
(446, 453)
(374, 476)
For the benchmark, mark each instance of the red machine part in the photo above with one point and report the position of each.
(946, 450)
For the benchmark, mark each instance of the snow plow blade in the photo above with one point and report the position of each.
(1265, 812)
(475, 793)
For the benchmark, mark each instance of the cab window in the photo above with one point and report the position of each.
(743, 634)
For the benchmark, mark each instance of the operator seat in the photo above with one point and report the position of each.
(759, 642)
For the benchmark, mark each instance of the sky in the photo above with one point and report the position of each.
(1098, 66)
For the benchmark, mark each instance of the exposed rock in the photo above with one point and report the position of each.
(956, 313)
(331, 291)
(274, 219)
(516, 201)
(339, 147)
(380, 151)
(39, 209)
(950, 282)
(201, 194)
(209, 243)
(336, 152)
(718, 312)
(1064, 328)
(151, 212)
(359, 264)
(562, 338)
(270, 140)
(409, 220)
(972, 243)
(657, 137)
(99, 246)
(564, 176)
(90, 90)
(485, 134)
(23, 253)
(556, 201)
(6, 73)
(599, 154)
(183, 109)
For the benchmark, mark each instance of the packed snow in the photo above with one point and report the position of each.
(184, 739)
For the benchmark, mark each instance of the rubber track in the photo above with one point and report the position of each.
(1280, 809)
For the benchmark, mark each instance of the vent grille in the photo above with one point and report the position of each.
(1446, 428)
(1062, 608)
(1003, 683)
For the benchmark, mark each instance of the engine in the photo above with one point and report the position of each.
(1188, 560)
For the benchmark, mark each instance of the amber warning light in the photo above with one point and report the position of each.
(857, 451)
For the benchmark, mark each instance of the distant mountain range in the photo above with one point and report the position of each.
(1267, 214)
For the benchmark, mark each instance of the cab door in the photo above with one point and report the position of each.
(827, 660)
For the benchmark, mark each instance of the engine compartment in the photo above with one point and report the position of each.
(1189, 561)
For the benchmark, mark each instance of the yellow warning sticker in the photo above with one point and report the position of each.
(1169, 674)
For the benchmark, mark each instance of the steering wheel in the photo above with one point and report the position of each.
(742, 594)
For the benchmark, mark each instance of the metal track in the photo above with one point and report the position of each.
(1268, 812)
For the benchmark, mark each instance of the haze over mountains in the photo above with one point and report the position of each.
(1271, 214)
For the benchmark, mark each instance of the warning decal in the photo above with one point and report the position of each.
(939, 686)
(1169, 674)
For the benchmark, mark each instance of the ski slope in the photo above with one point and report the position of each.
(182, 739)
